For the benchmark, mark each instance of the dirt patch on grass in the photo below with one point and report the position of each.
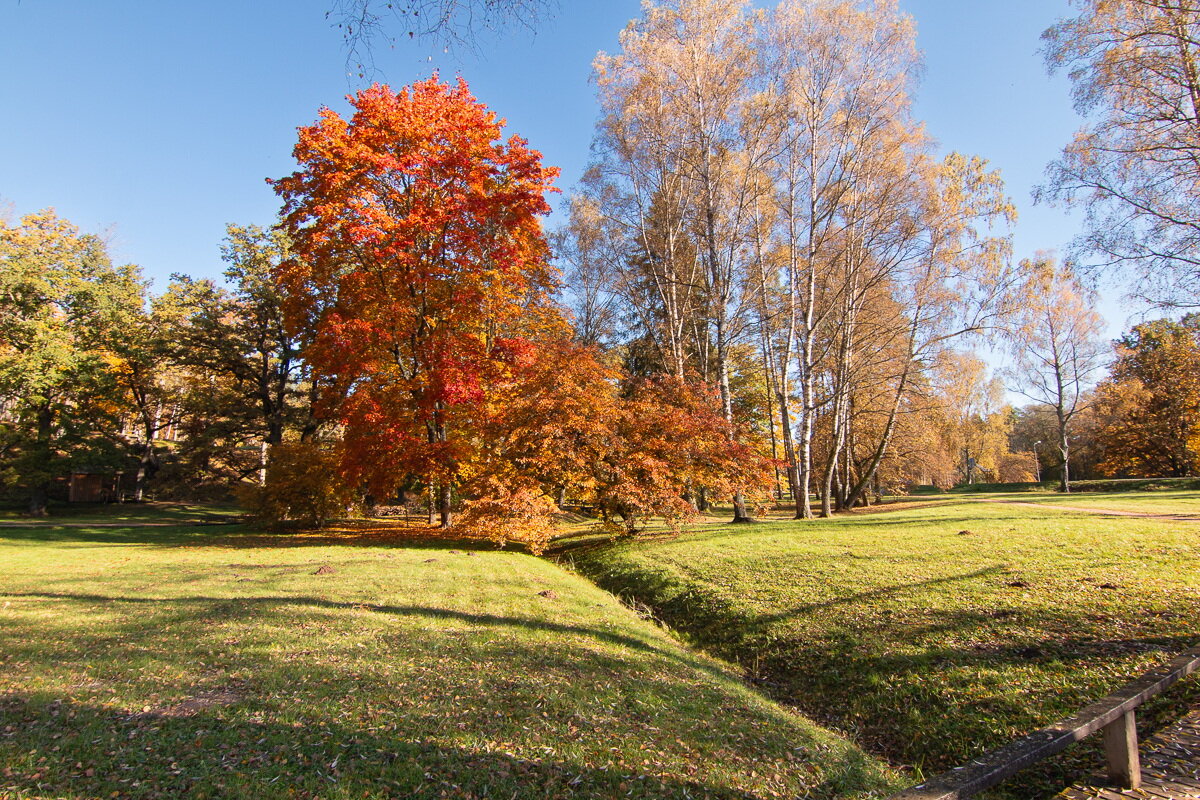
(894, 505)
(217, 697)
(203, 701)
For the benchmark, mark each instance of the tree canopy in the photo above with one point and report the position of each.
(1133, 166)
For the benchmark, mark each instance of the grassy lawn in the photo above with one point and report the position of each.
(933, 633)
(1151, 502)
(217, 662)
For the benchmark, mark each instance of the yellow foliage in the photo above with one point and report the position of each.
(304, 485)
(520, 515)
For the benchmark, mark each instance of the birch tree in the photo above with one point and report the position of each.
(762, 173)
(677, 135)
(847, 189)
(1057, 346)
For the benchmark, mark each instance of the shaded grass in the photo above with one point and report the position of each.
(108, 513)
(933, 634)
(169, 662)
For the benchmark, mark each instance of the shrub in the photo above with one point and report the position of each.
(304, 486)
(522, 515)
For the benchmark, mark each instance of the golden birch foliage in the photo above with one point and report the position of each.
(1056, 345)
(980, 421)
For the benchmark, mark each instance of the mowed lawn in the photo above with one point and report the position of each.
(934, 633)
(1155, 502)
(209, 662)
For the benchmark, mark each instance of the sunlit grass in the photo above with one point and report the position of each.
(1151, 502)
(935, 633)
(208, 662)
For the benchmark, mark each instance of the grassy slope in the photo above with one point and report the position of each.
(172, 662)
(934, 633)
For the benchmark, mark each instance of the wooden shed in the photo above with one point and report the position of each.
(94, 487)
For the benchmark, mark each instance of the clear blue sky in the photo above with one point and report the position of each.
(158, 122)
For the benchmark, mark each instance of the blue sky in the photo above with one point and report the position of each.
(158, 123)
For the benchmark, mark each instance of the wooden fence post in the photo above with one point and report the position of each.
(1121, 750)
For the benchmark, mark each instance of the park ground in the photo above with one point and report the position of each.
(150, 653)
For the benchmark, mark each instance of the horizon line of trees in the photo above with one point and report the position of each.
(187, 392)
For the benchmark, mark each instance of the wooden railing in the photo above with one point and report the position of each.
(1114, 715)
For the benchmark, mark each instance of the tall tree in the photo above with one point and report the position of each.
(679, 135)
(980, 421)
(233, 339)
(1056, 347)
(1135, 166)
(419, 270)
(61, 301)
(770, 160)
(143, 342)
(840, 75)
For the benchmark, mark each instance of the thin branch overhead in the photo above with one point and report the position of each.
(366, 24)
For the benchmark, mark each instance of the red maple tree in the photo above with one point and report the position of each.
(419, 273)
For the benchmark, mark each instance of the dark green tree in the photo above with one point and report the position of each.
(247, 382)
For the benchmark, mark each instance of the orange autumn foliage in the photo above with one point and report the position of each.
(420, 273)
(419, 278)
(632, 452)
(302, 487)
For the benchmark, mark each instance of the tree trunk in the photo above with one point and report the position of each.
(739, 499)
(444, 517)
(807, 392)
(789, 448)
(37, 494)
(149, 428)
(37, 501)
(262, 463)
(770, 380)
(1064, 448)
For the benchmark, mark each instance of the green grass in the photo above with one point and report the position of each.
(205, 662)
(1087, 485)
(1149, 502)
(932, 634)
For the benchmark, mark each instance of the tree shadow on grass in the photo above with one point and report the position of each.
(117, 513)
(94, 751)
(927, 686)
(764, 620)
(461, 710)
(938, 707)
(236, 607)
(247, 536)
